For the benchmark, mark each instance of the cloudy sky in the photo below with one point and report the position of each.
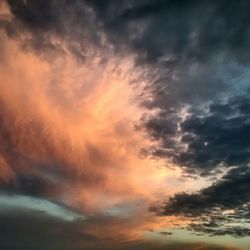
(124, 124)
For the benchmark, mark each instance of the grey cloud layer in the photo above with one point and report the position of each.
(34, 230)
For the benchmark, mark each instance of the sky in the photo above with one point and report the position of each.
(124, 124)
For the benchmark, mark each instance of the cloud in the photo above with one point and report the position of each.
(217, 209)
(193, 31)
(76, 77)
(212, 138)
(200, 96)
(42, 26)
(67, 127)
(9, 201)
(27, 229)
(58, 129)
(210, 142)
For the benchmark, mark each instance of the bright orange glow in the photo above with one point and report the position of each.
(80, 119)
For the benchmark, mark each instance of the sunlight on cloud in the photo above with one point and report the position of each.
(74, 126)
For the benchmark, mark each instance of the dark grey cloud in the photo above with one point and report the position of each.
(184, 32)
(227, 193)
(33, 185)
(220, 209)
(212, 138)
(33, 230)
(47, 23)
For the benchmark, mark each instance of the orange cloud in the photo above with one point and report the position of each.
(73, 125)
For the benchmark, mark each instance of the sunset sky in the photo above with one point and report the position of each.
(124, 124)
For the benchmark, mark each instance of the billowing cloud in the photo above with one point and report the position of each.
(96, 95)
(213, 137)
(62, 124)
(68, 126)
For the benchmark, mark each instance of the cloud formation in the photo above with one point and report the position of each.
(68, 124)
(220, 209)
(36, 230)
(58, 128)
(87, 86)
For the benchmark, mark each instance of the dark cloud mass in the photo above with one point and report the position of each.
(218, 209)
(51, 22)
(33, 230)
(175, 32)
(183, 31)
(212, 140)
(208, 139)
